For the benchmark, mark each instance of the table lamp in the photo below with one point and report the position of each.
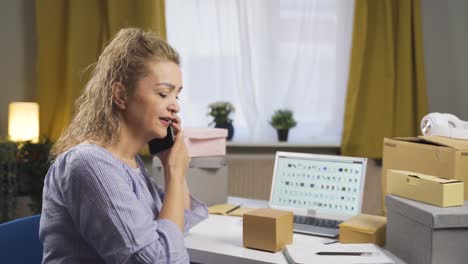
(23, 121)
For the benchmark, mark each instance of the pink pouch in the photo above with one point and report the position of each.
(205, 142)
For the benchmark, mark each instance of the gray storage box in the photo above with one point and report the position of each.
(421, 233)
(207, 178)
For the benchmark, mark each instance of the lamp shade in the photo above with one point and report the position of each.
(23, 121)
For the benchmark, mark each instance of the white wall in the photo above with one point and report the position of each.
(17, 55)
(445, 29)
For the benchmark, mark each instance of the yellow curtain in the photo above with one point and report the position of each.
(70, 36)
(386, 94)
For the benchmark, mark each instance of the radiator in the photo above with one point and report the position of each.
(250, 175)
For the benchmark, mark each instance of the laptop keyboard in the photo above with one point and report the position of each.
(310, 220)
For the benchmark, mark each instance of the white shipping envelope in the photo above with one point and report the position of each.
(307, 254)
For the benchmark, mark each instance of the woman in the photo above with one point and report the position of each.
(99, 203)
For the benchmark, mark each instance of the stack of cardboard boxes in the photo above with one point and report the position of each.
(208, 165)
(426, 170)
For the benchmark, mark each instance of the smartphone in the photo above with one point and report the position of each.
(158, 145)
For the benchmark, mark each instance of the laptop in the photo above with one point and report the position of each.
(321, 190)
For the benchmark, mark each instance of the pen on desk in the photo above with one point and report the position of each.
(331, 253)
(288, 257)
(235, 208)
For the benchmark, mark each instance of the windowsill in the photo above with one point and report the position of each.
(231, 144)
(272, 147)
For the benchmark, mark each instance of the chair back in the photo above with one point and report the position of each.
(19, 241)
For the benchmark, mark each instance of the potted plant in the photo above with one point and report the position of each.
(283, 120)
(8, 183)
(33, 163)
(220, 112)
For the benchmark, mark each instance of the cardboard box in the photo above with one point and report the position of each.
(421, 233)
(438, 156)
(267, 229)
(363, 228)
(202, 172)
(425, 188)
(205, 142)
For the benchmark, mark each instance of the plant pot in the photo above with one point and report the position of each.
(283, 134)
(229, 127)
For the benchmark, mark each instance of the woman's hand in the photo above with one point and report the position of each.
(176, 159)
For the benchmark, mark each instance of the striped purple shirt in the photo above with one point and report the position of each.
(97, 209)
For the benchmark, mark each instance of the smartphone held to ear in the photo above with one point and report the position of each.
(158, 145)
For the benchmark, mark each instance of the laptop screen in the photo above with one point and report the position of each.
(324, 184)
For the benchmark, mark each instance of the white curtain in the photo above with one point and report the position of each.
(263, 55)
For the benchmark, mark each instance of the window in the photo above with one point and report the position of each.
(264, 55)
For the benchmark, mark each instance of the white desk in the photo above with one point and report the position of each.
(218, 239)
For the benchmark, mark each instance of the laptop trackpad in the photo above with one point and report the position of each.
(316, 230)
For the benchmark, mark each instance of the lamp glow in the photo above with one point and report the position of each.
(23, 121)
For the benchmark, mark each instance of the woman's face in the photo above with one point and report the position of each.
(154, 102)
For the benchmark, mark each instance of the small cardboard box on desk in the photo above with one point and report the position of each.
(363, 228)
(421, 233)
(439, 156)
(267, 229)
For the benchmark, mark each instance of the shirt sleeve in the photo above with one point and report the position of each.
(197, 213)
(110, 217)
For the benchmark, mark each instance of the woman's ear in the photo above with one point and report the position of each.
(119, 95)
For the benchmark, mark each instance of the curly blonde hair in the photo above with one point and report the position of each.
(123, 60)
